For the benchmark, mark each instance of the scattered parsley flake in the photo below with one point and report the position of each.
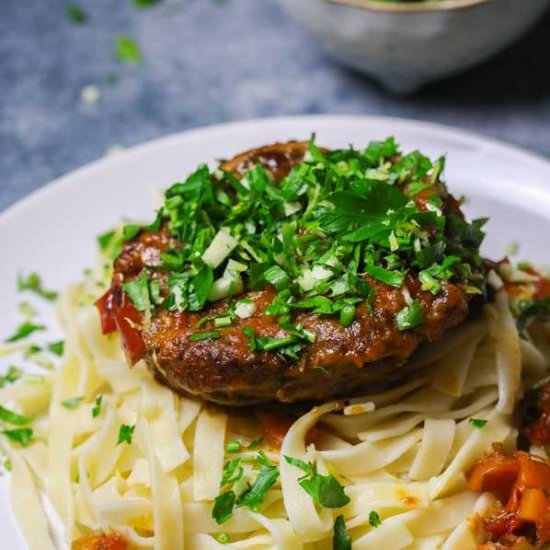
(33, 283)
(144, 4)
(211, 335)
(125, 434)
(10, 417)
(324, 490)
(374, 519)
(76, 14)
(126, 50)
(24, 331)
(223, 538)
(410, 316)
(72, 403)
(23, 436)
(478, 423)
(96, 410)
(12, 375)
(340, 539)
(223, 507)
(57, 348)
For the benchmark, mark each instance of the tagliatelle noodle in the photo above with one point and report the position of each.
(402, 453)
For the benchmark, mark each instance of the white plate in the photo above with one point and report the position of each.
(53, 230)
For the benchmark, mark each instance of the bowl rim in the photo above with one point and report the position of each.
(393, 6)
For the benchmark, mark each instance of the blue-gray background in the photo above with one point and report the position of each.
(208, 61)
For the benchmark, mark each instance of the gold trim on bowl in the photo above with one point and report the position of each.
(410, 7)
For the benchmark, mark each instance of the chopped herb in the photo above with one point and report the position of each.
(96, 409)
(130, 231)
(223, 538)
(126, 50)
(410, 316)
(223, 507)
(26, 310)
(340, 539)
(478, 423)
(12, 375)
(57, 348)
(255, 443)
(76, 14)
(22, 436)
(374, 519)
(221, 322)
(105, 239)
(31, 350)
(267, 476)
(324, 490)
(125, 434)
(143, 4)
(10, 417)
(212, 335)
(233, 446)
(72, 403)
(24, 330)
(232, 471)
(33, 283)
(138, 291)
(347, 315)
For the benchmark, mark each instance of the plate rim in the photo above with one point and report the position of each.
(424, 126)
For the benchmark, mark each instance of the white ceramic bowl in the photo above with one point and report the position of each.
(405, 45)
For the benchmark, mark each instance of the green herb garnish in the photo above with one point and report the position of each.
(33, 283)
(57, 348)
(324, 490)
(410, 316)
(76, 14)
(478, 423)
(126, 50)
(72, 403)
(211, 335)
(374, 519)
(10, 417)
(125, 434)
(23, 436)
(12, 375)
(96, 409)
(340, 539)
(24, 330)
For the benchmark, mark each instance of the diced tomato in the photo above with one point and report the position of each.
(128, 320)
(533, 472)
(106, 308)
(502, 524)
(112, 541)
(532, 505)
(121, 314)
(276, 426)
(496, 473)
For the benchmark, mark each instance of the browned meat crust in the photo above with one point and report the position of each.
(368, 354)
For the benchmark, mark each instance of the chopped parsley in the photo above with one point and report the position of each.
(76, 14)
(33, 283)
(410, 316)
(143, 4)
(374, 519)
(324, 490)
(96, 409)
(125, 434)
(10, 417)
(12, 375)
(126, 50)
(251, 495)
(340, 227)
(57, 348)
(211, 335)
(72, 403)
(23, 436)
(478, 423)
(104, 240)
(340, 539)
(23, 331)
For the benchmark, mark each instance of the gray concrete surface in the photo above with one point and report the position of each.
(208, 61)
